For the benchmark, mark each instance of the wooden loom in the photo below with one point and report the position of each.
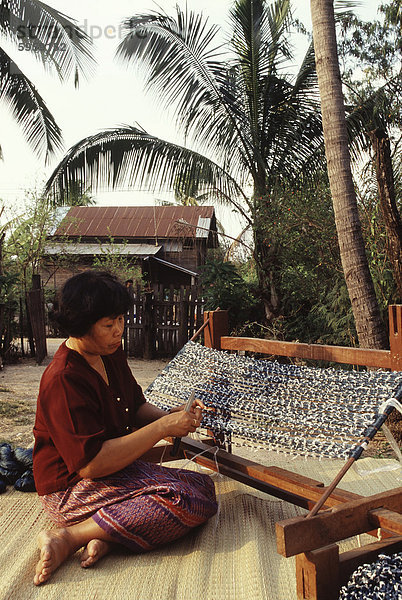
(320, 569)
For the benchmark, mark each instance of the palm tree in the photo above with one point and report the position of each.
(60, 45)
(365, 308)
(251, 124)
(370, 125)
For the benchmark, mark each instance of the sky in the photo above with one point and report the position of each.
(114, 95)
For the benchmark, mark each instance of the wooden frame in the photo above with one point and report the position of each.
(320, 569)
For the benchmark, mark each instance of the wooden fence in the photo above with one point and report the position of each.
(160, 321)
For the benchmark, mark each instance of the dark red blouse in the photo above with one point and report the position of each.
(76, 412)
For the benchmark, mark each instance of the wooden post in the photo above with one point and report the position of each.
(395, 336)
(317, 574)
(217, 327)
(36, 308)
(149, 326)
(183, 317)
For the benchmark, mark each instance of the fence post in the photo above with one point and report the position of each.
(149, 327)
(218, 325)
(36, 307)
(395, 336)
(183, 318)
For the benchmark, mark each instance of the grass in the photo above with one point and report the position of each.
(17, 411)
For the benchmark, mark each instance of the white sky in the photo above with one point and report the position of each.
(113, 96)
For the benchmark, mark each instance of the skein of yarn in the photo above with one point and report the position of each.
(16, 468)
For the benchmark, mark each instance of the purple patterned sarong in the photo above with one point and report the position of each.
(142, 506)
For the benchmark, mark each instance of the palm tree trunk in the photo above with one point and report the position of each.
(389, 209)
(369, 326)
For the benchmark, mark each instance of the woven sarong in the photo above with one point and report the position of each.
(142, 506)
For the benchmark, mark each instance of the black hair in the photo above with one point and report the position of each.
(88, 297)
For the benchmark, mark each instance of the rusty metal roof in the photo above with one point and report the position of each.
(137, 221)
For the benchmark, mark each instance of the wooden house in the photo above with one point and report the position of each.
(169, 243)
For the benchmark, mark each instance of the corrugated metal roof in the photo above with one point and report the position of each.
(173, 266)
(135, 221)
(203, 228)
(103, 249)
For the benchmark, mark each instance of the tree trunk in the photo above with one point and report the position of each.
(266, 255)
(369, 326)
(386, 192)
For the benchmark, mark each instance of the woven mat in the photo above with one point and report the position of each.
(232, 556)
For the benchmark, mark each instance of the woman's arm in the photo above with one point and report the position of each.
(147, 413)
(117, 453)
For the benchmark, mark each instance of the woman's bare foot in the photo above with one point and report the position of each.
(55, 546)
(94, 550)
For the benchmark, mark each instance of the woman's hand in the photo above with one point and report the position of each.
(181, 422)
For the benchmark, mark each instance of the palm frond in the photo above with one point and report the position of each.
(185, 71)
(295, 118)
(260, 47)
(52, 37)
(128, 157)
(379, 110)
(26, 105)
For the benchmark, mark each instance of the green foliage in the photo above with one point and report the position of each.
(375, 47)
(331, 316)
(122, 266)
(224, 287)
(26, 237)
(376, 245)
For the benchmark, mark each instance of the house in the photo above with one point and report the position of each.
(169, 243)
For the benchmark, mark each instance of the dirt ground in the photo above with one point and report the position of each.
(19, 385)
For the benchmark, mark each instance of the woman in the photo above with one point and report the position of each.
(92, 425)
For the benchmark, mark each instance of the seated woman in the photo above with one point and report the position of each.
(92, 426)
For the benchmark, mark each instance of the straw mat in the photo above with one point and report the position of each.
(232, 556)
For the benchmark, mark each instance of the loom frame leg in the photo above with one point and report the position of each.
(317, 574)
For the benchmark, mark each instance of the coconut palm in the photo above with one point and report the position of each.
(251, 125)
(372, 122)
(365, 308)
(59, 44)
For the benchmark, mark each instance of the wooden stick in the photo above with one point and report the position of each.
(331, 488)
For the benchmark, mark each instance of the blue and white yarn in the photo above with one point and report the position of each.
(301, 410)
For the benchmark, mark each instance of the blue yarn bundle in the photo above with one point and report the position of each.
(16, 468)
(381, 580)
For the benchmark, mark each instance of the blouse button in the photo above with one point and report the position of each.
(126, 409)
(118, 399)
(128, 428)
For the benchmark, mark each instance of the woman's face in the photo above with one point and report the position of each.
(104, 337)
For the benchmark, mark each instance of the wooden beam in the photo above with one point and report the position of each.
(317, 574)
(301, 535)
(386, 519)
(339, 354)
(271, 478)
